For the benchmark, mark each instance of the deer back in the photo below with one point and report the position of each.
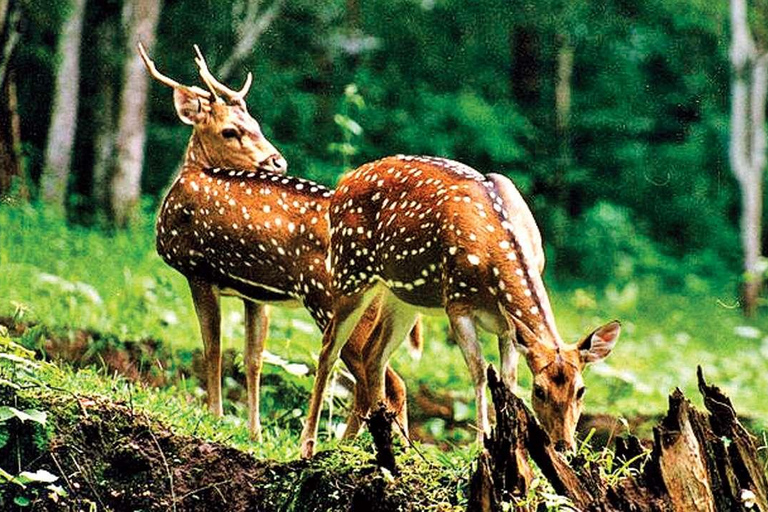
(436, 232)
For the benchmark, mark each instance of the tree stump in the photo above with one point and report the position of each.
(700, 461)
(380, 426)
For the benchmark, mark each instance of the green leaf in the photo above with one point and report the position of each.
(18, 359)
(6, 475)
(6, 382)
(4, 436)
(21, 501)
(7, 412)
(57, 490)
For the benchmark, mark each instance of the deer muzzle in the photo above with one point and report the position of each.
(275, 163)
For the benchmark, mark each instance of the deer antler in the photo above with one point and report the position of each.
(214, 85)
(170, 82)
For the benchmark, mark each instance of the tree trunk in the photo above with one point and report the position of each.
(105, 132)
(248, 31)
(525, 74)
(563, 87)
(748, 144)
(563, 99)
(125, 189)
(10, 131)
(61, 134)
(12, 178)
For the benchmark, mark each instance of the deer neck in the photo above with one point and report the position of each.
(196, 157)
(524, 297)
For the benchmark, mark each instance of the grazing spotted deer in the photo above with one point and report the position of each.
(437, 236)
(234, 225)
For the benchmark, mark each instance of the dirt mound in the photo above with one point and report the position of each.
(113, 458)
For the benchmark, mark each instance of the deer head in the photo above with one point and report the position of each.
(558, 386)
(224, 133)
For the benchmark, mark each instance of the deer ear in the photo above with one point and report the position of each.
(191, 107)
(599, 344)
(523, 338)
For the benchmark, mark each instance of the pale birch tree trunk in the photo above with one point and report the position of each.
(142, 17)
(563, 89)
(250, 24)
(61, 133)
(748, 144)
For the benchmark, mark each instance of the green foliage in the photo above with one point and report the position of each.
(611, 468)
(351, 131)
(24, 431)
(474, 81)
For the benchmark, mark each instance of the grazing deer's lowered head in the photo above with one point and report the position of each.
(224, 133)
(558, 386)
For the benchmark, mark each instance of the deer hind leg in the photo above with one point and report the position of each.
(397, 320)
(466, 336)
(396, 398)
(256, 329)
(206, 299)
(348, 312)
(369, 328)
(394, 386)
(352, 356)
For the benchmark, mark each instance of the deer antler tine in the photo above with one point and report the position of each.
(205, 74)
(153, 69)
(170, 82)
(215, 85)
(244, 90)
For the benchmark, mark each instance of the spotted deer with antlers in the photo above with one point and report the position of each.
(235, 225)
(437, 236)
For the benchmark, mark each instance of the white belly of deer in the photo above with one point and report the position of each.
(231, 292)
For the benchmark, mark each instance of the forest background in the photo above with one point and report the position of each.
(635, 130)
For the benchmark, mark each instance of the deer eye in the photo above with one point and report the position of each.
(538, 392)
(580, 393)
(230, 133)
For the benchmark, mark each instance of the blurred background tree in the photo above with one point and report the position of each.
(611, 116)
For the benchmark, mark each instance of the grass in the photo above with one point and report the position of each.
(66, 276)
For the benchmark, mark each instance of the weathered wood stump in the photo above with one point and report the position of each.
(380, 426)
(699, 462)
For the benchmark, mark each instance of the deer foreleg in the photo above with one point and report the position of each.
(466, 336)
(256, 328)
(206, 299)
(509, 358)
(348, 312)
